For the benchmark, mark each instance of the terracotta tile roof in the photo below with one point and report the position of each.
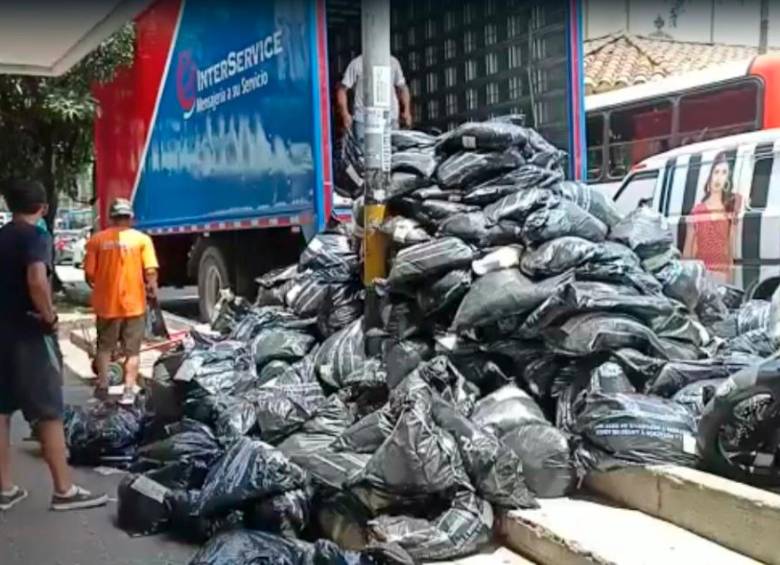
(619, 60)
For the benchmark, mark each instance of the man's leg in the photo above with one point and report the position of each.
(108, 332)
(55, 453)
(6, 483)
(133, 330)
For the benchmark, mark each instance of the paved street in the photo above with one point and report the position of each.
(32, 535)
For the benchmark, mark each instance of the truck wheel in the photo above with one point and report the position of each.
(212, 279)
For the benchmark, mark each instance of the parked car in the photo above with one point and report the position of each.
(79, 247)
(65, 242)
(722, 200)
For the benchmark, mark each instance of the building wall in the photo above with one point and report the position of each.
(735, 21)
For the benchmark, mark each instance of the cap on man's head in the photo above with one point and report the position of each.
(120, 208)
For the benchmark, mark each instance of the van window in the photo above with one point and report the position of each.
(637, 189)
(762, 177)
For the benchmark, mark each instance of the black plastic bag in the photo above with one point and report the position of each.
(349, 166)
(678, 374)
(421, 162)
(625, 429)
(494, 470)
(103, 434)
(403, 357)
(436, 211)
(753, 315)
(461, 530)
(546, 456)
(190, 443)
(755, 343)
(488, 193)
(683, 281)
(519, 205)
(367, 434)
(329, 250)
(445, 293)
(645, 231)
(280, 345)
(274, 285)
(402, 183)
(329, 422)
(282, 408)
(286, 514)
(402, 139)
(405, 231)
(343, 305)
(142, 505)
(331, 470)
(519, 179)
(566, 219)
(739, 429)
(436, 192)
(576, 298)
(230, 416)
(402, 318)
(498, 295)
(489, 136)
(506, 409)
(230, 310)
(591, 200)
(341, 354)
(442, 376)
(466, 169)
(307, 296)
(558, 256)
(428, 260)
(250, 470)
(155, 327)
(472, 227)
(586, 334)
(697, 395)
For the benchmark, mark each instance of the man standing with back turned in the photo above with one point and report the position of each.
(30, 361)
(121, 266)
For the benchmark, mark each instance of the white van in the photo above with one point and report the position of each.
(722, 199)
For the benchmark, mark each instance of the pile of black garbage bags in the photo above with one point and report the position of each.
(530, 335)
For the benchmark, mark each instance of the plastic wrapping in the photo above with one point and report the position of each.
(625, 429)
(557, 256)
(473, 228)
(420, 162)
(435, 192)
(274, 285)
(190, 443)
(230, 416)
(461, 530)
(329, 250)
(286, 514)
(343, 305)
(502, 258)
(645, 231)
(499, 295)
(738, 430)
(427, 260)
(546, 456)
(591, 200)
(488, 136)
(349, 166)
(329, 421)
(437, 211)
(341, 354)
(506, 409)
(404, 231)
(367, 434)
(402, 183)
(495, 471)
(684, 281)
(678, 374)
(445, 293)
(251, 470)
(697, 395)
(103, 434)
(519, 205)
(142, 505)
(566, 219)
(283, 405)
(403, 139)
(467, 169)
(403, 357)
(280, 345)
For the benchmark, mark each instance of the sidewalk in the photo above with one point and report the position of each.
(31, 534)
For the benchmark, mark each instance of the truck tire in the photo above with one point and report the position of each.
(213, 277)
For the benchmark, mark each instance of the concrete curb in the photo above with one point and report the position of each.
(575, 531)
(741, 517)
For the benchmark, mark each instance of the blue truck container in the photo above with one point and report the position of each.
(220, 131)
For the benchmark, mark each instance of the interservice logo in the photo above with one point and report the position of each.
(186, 83)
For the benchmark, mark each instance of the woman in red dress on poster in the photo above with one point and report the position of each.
(710, 233)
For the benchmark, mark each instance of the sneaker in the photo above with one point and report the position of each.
(128, 397)
(77, 499)
(10, 499)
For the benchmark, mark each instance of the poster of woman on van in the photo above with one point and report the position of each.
(712, 224)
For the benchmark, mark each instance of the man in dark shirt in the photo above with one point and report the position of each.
(30, 362)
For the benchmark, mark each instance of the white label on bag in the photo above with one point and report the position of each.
(150, 488)
(116, 390)
(689, 444)
(187, 369)
(764, 460)
(469, 142)
(315, 244)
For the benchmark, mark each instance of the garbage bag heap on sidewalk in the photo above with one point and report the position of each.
(531, 335)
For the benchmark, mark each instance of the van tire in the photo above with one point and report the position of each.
(213, 277)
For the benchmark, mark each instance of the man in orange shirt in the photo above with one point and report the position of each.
(121, 266)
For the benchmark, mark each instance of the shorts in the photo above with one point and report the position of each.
(31, 376)
(127, 332)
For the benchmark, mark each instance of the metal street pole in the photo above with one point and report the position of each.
(377, 77)
(763, 36)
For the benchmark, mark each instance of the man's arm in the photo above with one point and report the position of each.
(90, 261)
(404, 105)
(151, 266)
(342, 107)
(40, 292)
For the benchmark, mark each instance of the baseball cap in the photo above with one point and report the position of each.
(121, 208)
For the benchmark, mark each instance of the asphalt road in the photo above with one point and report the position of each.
(31, 534)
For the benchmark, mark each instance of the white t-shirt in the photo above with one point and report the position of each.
(353, 78)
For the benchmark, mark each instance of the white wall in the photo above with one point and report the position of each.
(736, 21)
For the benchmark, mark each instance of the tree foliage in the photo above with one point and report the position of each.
(47, 122)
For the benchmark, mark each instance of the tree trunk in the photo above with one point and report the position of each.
(48, 178)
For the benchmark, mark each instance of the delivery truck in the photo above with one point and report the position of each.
(220, 131)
